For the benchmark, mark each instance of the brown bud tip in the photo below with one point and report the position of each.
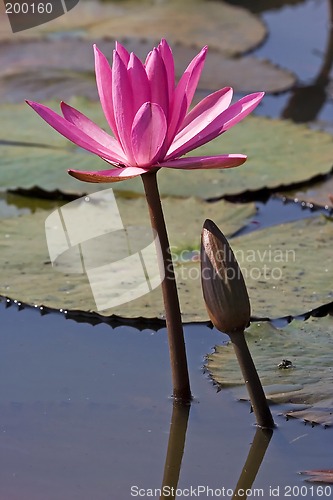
(223, 285)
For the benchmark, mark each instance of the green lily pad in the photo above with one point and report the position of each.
(201, 23)
(29, 277)
(287, 268)
(283, 262)
(38, 69)
(307, 345)
(279, 154)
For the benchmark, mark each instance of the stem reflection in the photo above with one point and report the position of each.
(176, 445)
(314, 95)
(254, 459)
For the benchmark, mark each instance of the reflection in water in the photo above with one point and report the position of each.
(173, 461)
(306, 101)
(254, 459)
(176, 445)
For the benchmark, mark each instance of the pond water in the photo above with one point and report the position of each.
(85, 410)
(300, 39)
(85, 414)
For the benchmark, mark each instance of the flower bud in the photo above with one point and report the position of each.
(223, 285)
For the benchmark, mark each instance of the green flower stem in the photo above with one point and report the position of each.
(180, 378)
(252, 381)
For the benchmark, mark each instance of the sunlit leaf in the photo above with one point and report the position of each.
(288, 268)
(29, 276)
(292, 260)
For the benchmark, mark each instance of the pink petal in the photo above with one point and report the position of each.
(202, 162)
(158, 81)
(73, 133)
(90, 128)
(148, 133)
(195, 135)
(208, 109)
(240, 110)
(123, 53)
(166, 54)
(184, 92)
(113, 175)
(189, 81)
(104, 86)
(139, 81)
(122, 96)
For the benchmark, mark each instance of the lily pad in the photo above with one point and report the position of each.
(298, 265)
(192, 22)
(306, 345)
(319, 476)
(287, 268)
(74, 22)
(29, 276)
(279, 154)
(201, 23)
(316, 414)
(38, 69)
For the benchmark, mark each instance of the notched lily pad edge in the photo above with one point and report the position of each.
(154, 323)
(294, 415)
(262, 194)
(313, 207)
(265, 193)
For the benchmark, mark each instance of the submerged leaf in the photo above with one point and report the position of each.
(50, 74)
(314, 415)
(201, 23)
(318, 194)
(319, 476)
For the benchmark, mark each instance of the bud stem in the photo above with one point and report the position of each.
(252, 381)
(178, 361)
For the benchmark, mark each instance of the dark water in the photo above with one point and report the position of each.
(84, 410)
(300, 39)
(85, 415)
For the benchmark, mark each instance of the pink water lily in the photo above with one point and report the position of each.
(149, 116)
